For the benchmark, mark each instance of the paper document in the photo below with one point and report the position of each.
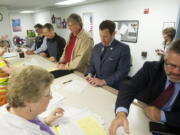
(84, 126)
(76, 86)
(89, 126)
(123, 29)
(68, 129)
(8, 55)
(51, 69)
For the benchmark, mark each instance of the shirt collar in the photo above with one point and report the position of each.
(108, 44)
(111, 42)
(168, 81)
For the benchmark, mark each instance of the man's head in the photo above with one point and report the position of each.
(48, 31)
(75, 24)
(172, 61)
(168, 34)
(38, 28)
(107, 31)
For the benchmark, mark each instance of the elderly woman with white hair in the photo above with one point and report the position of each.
(28, 96)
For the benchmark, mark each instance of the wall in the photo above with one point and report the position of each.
(42, 17)
(27, 23)
(150, 25)
(5, 28)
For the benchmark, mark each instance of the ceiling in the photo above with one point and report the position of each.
(36, 4)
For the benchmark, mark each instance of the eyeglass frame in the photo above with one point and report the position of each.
(172, 66)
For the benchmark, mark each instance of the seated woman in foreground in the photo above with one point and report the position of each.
(28, 96)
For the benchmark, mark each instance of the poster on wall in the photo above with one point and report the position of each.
(88, 22)
(58, 22)
(168, 24)
(127, 30)
(16, 25)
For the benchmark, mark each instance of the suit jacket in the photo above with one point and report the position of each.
(80, 54)
(114, 66)
(146, 85)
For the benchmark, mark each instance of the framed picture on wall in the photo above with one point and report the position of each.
(127, 30)
(16, 25)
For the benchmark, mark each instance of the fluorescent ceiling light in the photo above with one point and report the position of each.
(69, 2)
(27, 12)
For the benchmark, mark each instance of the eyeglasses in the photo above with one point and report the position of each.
(172, 66)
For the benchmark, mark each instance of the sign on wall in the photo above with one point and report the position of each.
(127, 30)
(88, 22)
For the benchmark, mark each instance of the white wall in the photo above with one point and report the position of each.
(42, 17)
(5, 28)
(150, 25)
(27, 23)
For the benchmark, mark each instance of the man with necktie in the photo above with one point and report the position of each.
(157, 84)
(110, 61)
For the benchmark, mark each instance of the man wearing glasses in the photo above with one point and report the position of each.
(157, 84)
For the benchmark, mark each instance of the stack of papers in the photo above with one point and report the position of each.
(79, 122)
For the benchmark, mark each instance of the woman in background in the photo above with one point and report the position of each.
(168, 36)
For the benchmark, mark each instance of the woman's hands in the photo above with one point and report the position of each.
(57, 113)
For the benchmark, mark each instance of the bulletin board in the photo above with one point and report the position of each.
(127, 30)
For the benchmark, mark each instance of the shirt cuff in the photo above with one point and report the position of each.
(163, 116)
(122, 109)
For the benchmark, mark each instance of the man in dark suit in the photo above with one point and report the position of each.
(110, 61)
(157, 84)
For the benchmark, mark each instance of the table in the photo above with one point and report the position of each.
(32, 60)
(100, 100)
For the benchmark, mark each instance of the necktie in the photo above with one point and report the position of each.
(104, 52)
(164, 96)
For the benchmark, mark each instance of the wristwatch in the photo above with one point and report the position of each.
(1, 17)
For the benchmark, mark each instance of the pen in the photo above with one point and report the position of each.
(67, 81)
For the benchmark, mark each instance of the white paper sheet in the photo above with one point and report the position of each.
(76, 86)
(8, 55)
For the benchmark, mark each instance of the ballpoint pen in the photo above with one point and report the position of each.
(67, 81)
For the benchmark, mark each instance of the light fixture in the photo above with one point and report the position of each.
(26, 11)
(69, 2)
